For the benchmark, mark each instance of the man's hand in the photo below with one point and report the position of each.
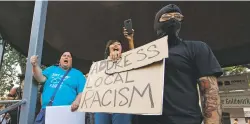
(130, 36)
(34, 60)
(75, 105)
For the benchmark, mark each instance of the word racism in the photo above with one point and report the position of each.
(122, 86)
(109, 96)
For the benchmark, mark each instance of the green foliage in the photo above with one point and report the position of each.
(22, 63)
(8, 74)
(235, 70)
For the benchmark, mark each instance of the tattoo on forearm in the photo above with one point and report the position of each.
(210, 100)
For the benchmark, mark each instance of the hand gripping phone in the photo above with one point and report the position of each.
(128, 26)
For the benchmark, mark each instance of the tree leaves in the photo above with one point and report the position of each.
(234, 70)
(8, 74)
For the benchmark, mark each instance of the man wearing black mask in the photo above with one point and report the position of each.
(188, 62)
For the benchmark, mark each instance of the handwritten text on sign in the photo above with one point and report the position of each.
(137, 91)
(141, 56)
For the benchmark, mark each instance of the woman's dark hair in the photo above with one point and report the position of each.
(107, 52)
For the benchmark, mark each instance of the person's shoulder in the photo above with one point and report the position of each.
(195, 44)
(76, 71)
(51, 67)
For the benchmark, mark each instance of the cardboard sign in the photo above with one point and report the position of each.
(131, 88)
(139, 57)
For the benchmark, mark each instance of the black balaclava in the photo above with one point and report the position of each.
(170, 27)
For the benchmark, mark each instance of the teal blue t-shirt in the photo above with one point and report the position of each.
(71, 86)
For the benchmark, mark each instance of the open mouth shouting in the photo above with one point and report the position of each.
(65, 61)
(115, 49)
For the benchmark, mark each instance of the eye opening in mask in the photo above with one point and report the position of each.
(175, 15)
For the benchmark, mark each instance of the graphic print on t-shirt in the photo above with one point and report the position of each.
(55, 79)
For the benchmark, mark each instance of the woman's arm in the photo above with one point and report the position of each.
(130, 38)
(37, 71)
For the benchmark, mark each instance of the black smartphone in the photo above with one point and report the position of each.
(128, 25)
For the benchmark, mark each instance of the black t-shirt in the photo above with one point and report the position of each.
(187, 62)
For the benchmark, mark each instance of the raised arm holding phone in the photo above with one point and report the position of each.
(113, 51)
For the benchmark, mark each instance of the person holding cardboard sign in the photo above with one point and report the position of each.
(188, 62)
(113, 51)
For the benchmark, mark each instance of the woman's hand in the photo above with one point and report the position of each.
(128, 36)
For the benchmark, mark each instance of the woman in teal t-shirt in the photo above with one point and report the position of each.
(68, 93)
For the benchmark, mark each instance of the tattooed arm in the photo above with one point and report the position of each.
(210, 100)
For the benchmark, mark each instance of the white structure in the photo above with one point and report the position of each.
(235, 96)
